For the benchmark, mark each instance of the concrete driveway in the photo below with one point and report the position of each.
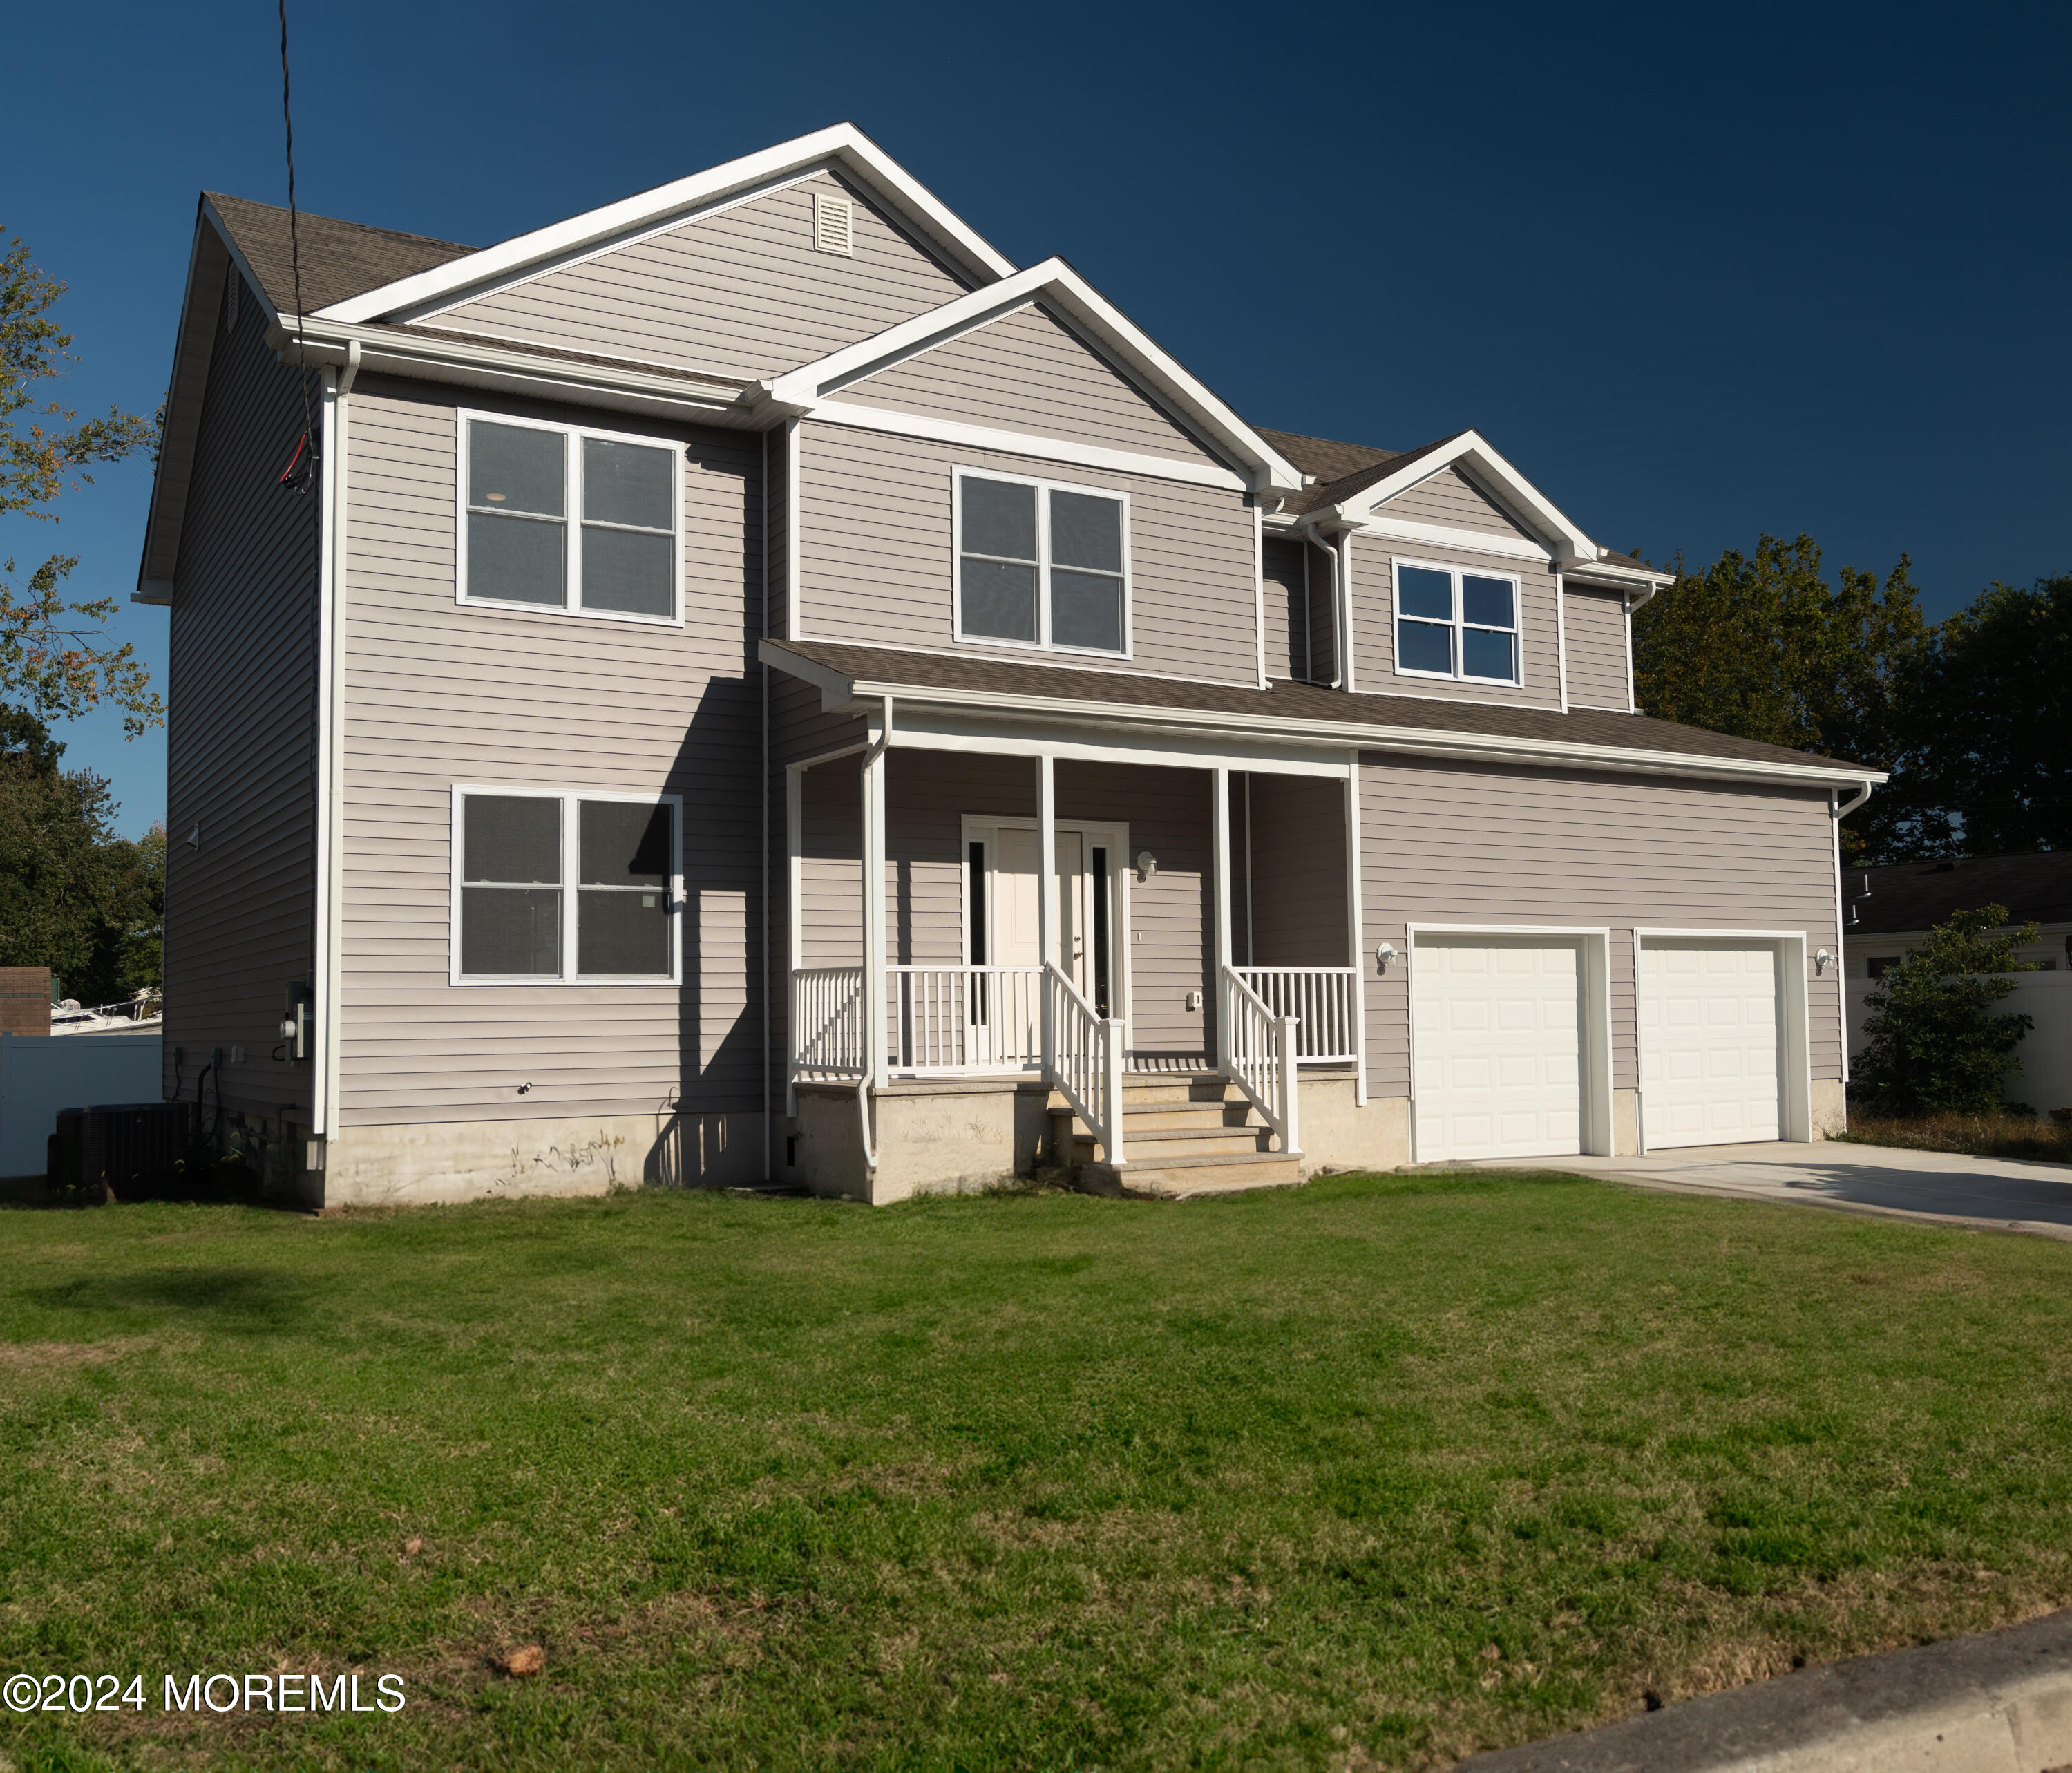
(1924, 1185)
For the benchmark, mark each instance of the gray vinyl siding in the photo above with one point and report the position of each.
(1448, 498)
(1595, 622)
(1463, 843)
(741, 293)
(1298, 874)
(241, 742)
(877, 551)
(776, 447)
(1323, 621)
(1374, 624)
(1285, 570)
(437, 694)
(1029, 371)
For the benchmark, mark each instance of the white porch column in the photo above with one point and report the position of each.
(877, 1060)
(1220, 825)
(1356, 921)
(795, 921)
(1046, 899)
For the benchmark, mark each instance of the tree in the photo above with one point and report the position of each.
(73, 896)
(1762, 647)
(55, 659)
(1993, 705)
(1932, 1042)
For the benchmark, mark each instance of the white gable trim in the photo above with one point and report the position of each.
(1112, 332)
(1504, 481)
(843, 145)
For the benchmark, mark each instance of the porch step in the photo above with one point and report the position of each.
(1178, 1178)
(1149, 1144)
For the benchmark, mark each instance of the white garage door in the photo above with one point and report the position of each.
(1496, 1026)
(1708, 1042)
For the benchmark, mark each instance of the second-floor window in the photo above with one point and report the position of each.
(1041, 566)
(557, 518)
(1450, 622)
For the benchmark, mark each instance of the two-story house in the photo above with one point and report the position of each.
(747, 684)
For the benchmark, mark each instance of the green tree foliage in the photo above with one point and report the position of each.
(1763, 647)
(1993, 707)
(74, 897)
(56, 658)
(1933, 1041)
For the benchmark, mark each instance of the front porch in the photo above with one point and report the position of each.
(1009, 949)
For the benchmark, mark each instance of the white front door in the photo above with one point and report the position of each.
(1018, 926)
(1496, 1025)
(1708, 1042)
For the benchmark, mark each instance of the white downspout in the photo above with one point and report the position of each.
(331, 768)
(1837, 812)
(875, 1057)
(1339, 623)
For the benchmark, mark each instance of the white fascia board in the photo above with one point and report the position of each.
(842, 145)
(1386, 528)
(506, 369)
(1624, 578)
(839, 692)
(1055, 281)
(1471, 449)
(926, 427)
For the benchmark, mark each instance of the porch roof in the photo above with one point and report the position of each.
(1588, 738)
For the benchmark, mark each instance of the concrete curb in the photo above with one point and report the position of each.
(2000, 1702)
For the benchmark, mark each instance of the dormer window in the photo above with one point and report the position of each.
(1042, 565)
(1450, 622)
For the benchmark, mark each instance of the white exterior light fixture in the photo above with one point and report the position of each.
(1385, 956)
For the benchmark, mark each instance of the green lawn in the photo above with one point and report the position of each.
(1368, 1474)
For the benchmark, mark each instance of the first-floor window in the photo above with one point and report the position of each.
(553, 886)
(1450, 622)
(1042, 565)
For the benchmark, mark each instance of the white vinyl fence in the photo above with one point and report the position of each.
(2046, 1053)
(40, 1074)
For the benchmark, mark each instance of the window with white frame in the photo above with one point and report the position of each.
(1451, 623)
(554, 517)
(574, 886)
(1041, 566)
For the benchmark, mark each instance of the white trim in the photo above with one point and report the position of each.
(1592, 986)
(572, 522)
(570, 886)
(1561, 638)
(1342, 547)
(1459, 625)
(795, 912)
(1219, 854)
(934, 729)
(871, 782)
(324, 984)
(1841, 953)
(795, 503)
(838, 689)
(1110, 834)
(1259, 614)
(1474, 451)
(1355, 889)
(1632, 694)
(1385, 528)
(843, 143)
(855, 416)
(1794, 1066)
(1111, 331)
(1042, 642)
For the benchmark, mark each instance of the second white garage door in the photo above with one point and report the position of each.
(1496, 1030)
(1708, 1042)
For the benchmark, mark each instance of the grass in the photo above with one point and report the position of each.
(2032, 1137)
(1367, 1474)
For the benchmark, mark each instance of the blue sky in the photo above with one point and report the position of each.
(1701, 272)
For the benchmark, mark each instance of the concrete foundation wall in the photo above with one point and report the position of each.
(1831, 1107)
(473, 1160)
(1338, 1133)
(950, 1136)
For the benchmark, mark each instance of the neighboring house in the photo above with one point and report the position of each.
(760, 687)
(1892, 909)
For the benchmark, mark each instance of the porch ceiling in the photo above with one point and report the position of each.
(1287, 719)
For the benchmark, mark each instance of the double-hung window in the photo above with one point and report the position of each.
(1450, 622)
(577, 886)
(1041, 566)
(553, 517)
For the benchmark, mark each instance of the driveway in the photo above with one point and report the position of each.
(1924, 1185)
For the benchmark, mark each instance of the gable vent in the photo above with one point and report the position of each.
(834, 225)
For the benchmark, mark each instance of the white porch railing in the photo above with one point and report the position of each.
(1262, 1056)
(1324, 999)
(1086, 1061)
(963, 1019)
(827, 1022)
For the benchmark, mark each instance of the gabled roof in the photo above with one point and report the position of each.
(1577, 738)
(415, 294)
(2036, 887)
(1088, 311)
(341, 259)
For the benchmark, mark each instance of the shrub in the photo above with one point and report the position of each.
(1932, 1043)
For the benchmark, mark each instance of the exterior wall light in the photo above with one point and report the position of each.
(1823, 960)
(1385, 956)
(1147, 864)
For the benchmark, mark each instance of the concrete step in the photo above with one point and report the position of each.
(1146, 1144)
(1180, 1178)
